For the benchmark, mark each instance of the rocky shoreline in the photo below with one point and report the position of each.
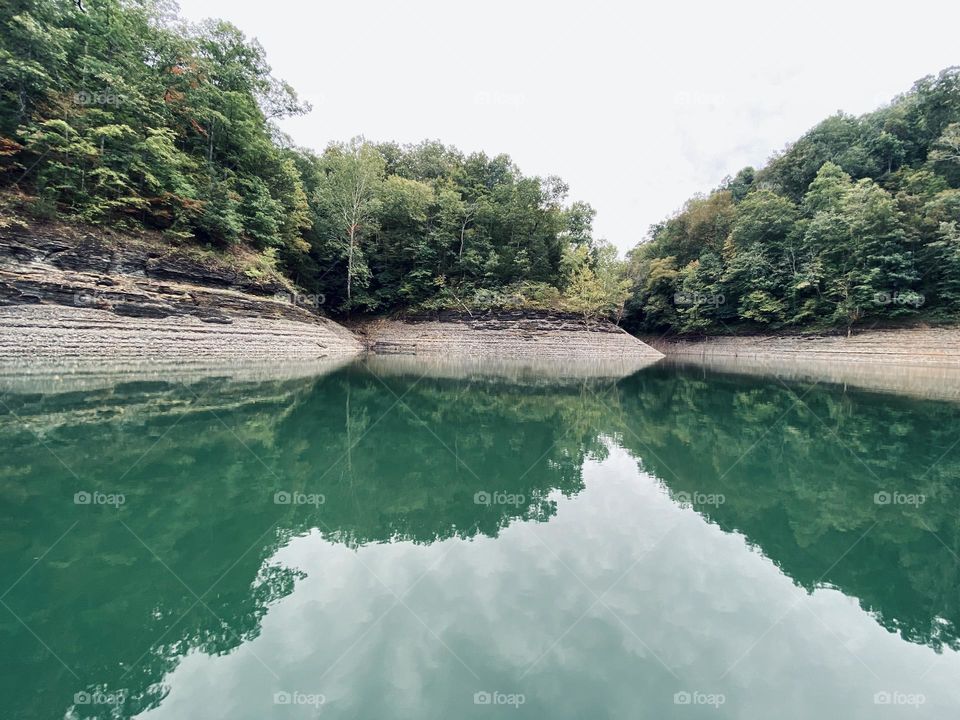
(68, 296)
(929, 346)
(75, 297)
(506, 334)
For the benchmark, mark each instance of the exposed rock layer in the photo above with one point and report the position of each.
(928, 346)
(504, 335)
(77, 296)
(70, 295)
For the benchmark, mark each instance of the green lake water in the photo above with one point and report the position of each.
(375, 542)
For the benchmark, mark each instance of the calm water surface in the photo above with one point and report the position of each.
(376, 543)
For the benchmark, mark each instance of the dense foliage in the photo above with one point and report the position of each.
(121, 114)
(858, 221)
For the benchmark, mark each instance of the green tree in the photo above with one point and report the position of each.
(350, 195)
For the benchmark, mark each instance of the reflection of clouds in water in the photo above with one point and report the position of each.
(697, 597)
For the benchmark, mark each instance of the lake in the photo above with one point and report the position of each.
(393, 539)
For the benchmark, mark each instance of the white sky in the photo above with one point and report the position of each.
(637, 106)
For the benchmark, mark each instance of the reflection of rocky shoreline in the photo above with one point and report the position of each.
(199, 465)
(87, 375)
(537, 371)
(931, 381)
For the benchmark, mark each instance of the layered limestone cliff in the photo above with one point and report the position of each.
(82, 298)
(71, 295)
(515, 334)
(910, 346)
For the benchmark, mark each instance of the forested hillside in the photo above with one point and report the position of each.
(857, 222)
(122, 115)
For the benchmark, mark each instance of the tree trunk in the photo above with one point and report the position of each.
(353, 232)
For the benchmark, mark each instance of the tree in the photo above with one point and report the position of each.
(596, 285)
(124, 115)
(407, 257)
(946, 149)
(948, 256)
(851, 222)
(857, 229)
(350, 195)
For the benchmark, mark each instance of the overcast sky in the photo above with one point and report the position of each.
(637, 106)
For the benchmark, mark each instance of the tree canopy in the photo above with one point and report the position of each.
(122, 114)
(855, 222)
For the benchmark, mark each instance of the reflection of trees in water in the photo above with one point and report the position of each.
(208, 459)
(206, 462)
(802, 489)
